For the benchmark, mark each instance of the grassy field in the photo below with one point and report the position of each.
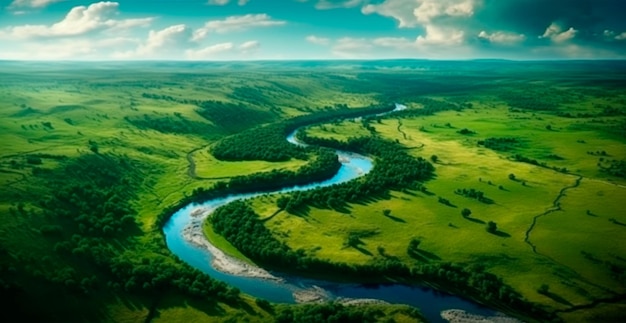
(149, 113)
(578, 225)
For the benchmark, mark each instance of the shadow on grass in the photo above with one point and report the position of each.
(423, 255)
(617, 222)
(475, 220)
(557, 298)
(363, 250)
(499, 233)
(395, 218)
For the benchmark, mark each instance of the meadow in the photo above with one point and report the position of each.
(545, 149)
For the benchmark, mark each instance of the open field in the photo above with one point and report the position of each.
(573, 201)
(136, 139)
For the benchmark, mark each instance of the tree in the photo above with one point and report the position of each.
(434, 158)
(543, 289)
(492, 227)
(466, 212)
(549, 127)
(512, 176)
(386, 212)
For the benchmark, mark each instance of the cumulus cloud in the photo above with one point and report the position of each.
(31, 3)
(237, 23)
(413, 13)
(318, 40)
(500, 37)
(249, 46)
(555, 33)
(611, 35)
(209, 51)
(161, 43)
(437, 35)
(78, 21)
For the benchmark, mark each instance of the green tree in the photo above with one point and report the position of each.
(386, 212)
(434, 158)
(466, 212)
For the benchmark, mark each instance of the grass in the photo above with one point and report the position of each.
(208, 166)
(445, 235)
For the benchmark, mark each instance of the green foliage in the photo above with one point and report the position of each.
(394, 169)
(170, 124)
(268, 142)
(474, 194)
(328, 312)
(500, 144)
(233, 118)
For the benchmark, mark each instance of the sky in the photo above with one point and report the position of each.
(311, 29)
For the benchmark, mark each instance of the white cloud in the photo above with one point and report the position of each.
(209, 51)
(610, 35)
(555, 33)
(352, 47)
(78, 21)
(237, 23)
(249, 46)
(161, 44)
(394, 42)
(318, 40)
(437, 35)
(330, 4)
(67, 49)
(417, 12)
(32, 3)
(500, 37)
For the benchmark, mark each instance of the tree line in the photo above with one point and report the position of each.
(241, 226)
(268, 142)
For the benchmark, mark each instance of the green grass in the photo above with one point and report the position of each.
(208, 166)
(447, 236)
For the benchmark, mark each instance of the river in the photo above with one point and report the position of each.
(284, 288)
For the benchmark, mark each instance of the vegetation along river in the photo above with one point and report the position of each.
(185, 239)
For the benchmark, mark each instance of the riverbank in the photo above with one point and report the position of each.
(461, 316)
(220, 260)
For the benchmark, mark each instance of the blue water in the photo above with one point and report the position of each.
(429, 301)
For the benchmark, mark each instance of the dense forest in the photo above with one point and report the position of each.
(88, 217)
(268, 142)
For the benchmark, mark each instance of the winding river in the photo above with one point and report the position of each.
(185, 239)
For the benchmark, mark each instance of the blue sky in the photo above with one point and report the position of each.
(311, 29)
